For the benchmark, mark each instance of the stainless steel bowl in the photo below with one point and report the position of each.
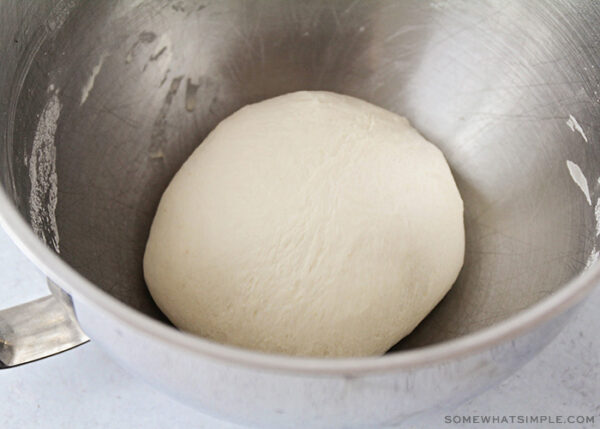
(101, 102)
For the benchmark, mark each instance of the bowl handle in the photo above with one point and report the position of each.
(39, 329)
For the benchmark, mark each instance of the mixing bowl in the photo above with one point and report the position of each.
(101, 102)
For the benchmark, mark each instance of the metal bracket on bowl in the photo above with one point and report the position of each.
(39, 329)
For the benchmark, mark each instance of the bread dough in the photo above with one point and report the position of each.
(310, 224)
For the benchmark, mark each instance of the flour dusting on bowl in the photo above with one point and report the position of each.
(42, 174)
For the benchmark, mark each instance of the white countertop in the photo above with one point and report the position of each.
(83, 388)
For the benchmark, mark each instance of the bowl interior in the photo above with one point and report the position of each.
(109, 98)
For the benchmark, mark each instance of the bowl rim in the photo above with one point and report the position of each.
(84, 290)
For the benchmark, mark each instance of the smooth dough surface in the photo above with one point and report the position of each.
(311, 224)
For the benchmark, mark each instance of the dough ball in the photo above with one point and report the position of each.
(311, 224)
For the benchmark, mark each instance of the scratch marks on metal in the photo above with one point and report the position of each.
(190, 95)
(579, 179)
(159, 129)
(85, 92)
(43, 196)
(144, 37)
(575, 127)
(157, 55)
(163, 53)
